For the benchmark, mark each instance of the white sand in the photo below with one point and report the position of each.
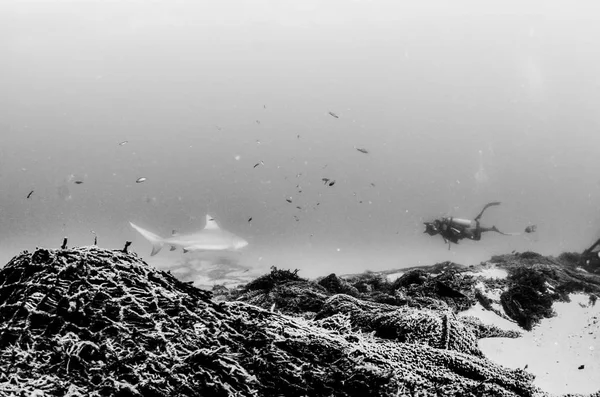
(554, 349)
(489, 317)
(394, 276)
(490, 272)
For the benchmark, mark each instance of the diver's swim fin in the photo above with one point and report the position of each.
(495, 229)
(486, 207)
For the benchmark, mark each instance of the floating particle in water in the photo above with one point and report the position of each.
(362, 150)
(331, 183)
(238, 157)
(250, 219)
(334, 115)
(63, 192)
(30, 193)
(78, 182)
(123, 143)
(289, 199)
(141, 179)
(325, 180)
(259, 163)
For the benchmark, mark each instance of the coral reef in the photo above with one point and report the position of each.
(440, 329)
(94, 322)
(536, 281)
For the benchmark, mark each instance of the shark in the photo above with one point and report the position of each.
(211, 238)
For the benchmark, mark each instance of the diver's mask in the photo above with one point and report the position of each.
(432, 228)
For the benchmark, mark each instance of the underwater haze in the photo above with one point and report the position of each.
(240, 108)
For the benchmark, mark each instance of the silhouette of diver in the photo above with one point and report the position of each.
(454, 229)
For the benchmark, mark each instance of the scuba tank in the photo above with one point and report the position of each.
(464, 223)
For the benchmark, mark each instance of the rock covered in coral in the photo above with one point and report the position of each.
(292, 297)
(451, 286)
(335, 285)
(535, 282)
(87, 321)
(405, 324)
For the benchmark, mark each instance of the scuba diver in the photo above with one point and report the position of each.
(454, 229)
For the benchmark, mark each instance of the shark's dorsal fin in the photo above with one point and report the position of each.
(211, 224)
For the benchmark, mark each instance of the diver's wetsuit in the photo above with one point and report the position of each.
(454, 229)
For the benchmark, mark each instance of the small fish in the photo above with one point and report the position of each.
(531, 229)
(362, 150)
(289, 200)
(258, 122)
(372, 184)
(78, 182)
(325, 180)
(334, 115)
(141, 179)
(331, 183)
(123, 143)
(298, 137)
(259, 163)
(298, 207)
(250, 219)
(30, 193)
(264, 106)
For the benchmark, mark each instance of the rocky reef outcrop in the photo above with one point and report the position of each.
(95, 322)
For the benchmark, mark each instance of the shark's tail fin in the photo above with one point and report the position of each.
(156, 241)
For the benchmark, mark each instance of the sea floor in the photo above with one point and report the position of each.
(563, 352)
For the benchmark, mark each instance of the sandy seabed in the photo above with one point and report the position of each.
(563, 352)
